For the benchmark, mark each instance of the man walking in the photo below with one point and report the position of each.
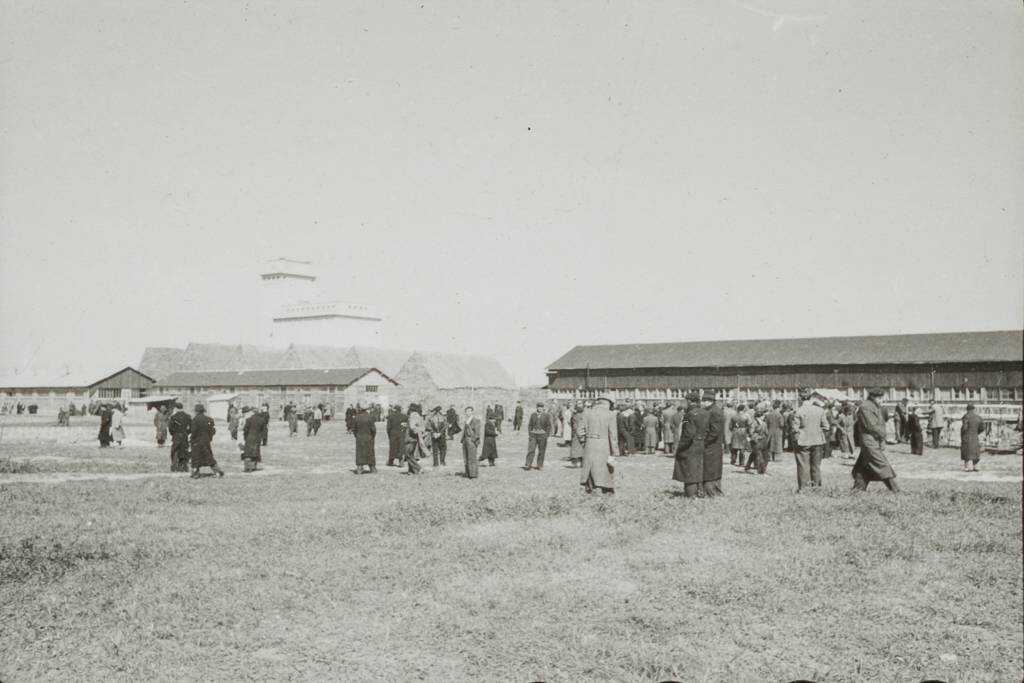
(689, 466)
(179, 425)
(201, 434)
(539, 428)
(872, 465)
(598, 429)
(471, 442)
(811, 425)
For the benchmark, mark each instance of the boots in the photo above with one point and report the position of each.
(195, 474)
(219, 471)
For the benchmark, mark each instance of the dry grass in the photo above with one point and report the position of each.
(307, 571)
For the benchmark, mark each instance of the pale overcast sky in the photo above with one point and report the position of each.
(509, 178)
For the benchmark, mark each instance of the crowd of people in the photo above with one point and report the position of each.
(699, 432)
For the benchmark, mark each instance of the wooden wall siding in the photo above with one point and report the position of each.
(126, 379)
(1007, 375)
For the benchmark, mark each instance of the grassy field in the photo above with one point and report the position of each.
(112, 567)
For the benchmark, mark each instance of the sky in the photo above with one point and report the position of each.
(510, 179)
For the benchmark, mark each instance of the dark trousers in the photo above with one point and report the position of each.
(538, 445)
(861, 484)
(234, 432)
(936, 432)
(439, 447)
(693, 490)
(712, 488)
(756, 460)
(394, 448)
(179, 454)
(808, 466)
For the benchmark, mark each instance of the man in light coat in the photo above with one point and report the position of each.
(936, 422)
(598, 428)
(811, 426)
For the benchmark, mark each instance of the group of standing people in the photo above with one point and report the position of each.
(411, 436)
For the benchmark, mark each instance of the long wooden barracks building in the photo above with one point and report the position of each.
(981, 367)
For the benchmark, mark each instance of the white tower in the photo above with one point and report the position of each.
(295, 311)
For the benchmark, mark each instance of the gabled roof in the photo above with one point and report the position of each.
(310, 377)
(458, 371)
(64, 379)
(160, 361)
(390, 361)
(957, 347)
(308, 356)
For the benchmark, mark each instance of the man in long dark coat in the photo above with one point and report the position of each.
(689, 467)
(499, 416)
(775, 423)
(902, 433)
(713, 449)
(201, 437)
(396, 429)
(970, 445)
(106, 418)
(252, 437)
(179, 425)
(366, 432)
(517, 417)
(872, 465)
(636, 428)
(264, 423)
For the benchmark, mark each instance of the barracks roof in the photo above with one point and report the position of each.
(954, 347)
(271, 378)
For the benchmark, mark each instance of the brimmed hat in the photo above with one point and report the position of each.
(876, 392)
(693, 396)
(805, 393)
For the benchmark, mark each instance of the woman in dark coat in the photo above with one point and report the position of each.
(252, 436)
(490, 447)
(916, 432)
(200, 438)
(106, 417)
(366, 432)
(578, 443)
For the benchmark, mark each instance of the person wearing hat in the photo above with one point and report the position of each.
(106, 417)
(179, 426)
(811, 425)
(365, 430)
(713, 449)
(971, 427)
(471, 432)
(597, 428)
(872, 465)
(669, 424)
(539, 428)
(437, 428)
(396, 429)
(252, 437)
(517, 417)
(689, 455)
(577, 440)
(201, 439)
(414, 447)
